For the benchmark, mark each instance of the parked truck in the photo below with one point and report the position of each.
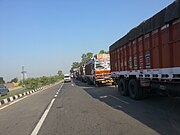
(82, 73)
(97, 70)
(148, 56)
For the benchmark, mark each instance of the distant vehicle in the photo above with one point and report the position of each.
(67, 78)
(3, 90)
(97, 70)
(75, 73)
(147, 58)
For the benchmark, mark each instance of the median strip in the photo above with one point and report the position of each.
(23, 93)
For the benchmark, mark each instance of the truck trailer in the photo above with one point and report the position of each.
(82, 73)
(148, 57)
(97, 70)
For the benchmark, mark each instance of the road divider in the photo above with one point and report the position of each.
(17, 96)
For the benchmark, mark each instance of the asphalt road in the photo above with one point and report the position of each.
(15, 90)
(80, 109)
(21, 117)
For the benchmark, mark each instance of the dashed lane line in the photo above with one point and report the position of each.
(41, 121)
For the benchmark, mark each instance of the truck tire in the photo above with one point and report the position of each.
(122, 87)
(114, 82)
(88, 81)
(96, 84)
(135, 91)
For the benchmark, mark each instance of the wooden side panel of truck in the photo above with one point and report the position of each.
(150, 54)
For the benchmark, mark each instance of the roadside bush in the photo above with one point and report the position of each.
(33, 83)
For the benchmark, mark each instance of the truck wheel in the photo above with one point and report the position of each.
(114, 83)
(135, 91)
(88, 81)
(96, 83)
(122, 87)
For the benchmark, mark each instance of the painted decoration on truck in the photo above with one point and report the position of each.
(130, 62)
(102, 65)
(135, 62)
(141, 62)
(148, 63)
(102, 56)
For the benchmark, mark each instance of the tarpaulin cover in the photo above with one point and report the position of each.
(165, 16)
(172, 11)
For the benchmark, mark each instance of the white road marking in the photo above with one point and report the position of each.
(119, 99)
(118, 106)
(72, 84)
(38, 126)
(88, 87)
(103, 97)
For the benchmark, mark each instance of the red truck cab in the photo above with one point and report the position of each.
(97, 70)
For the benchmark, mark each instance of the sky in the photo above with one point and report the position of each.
(45, 36)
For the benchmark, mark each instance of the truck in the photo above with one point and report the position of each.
(97, 70)
(147, 58)
(75, 73)
(82, 73)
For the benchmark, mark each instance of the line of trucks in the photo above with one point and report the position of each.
(147, 58)
(96, 70)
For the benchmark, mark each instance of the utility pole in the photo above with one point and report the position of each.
(23, 75)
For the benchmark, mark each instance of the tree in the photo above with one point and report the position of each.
(86, 57)
(2, 80)
(74, 65)
(60, 73)
(15, 80)
(103, 52)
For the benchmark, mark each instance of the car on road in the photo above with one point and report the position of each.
(67, 78)
(3, 90)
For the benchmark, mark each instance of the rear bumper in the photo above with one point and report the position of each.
(67, 80)
(107, 80)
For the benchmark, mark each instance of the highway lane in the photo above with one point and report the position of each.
(77, 112)
(80, 109)
(21, 117)
(159, 113)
